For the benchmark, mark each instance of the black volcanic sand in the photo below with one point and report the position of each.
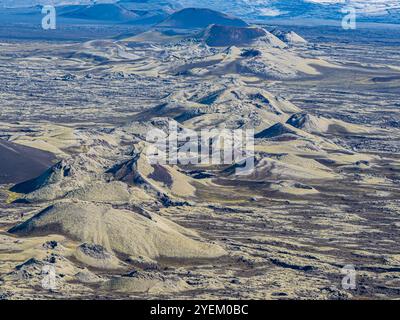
(20, 163)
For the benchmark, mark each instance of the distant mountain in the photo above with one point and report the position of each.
(193, 18)
(223, 36)
(103, 12)
(150, 11)
(384, 11)
(387, 11)
(150, 5)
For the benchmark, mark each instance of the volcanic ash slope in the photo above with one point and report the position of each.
(18, 163)
(119, 231)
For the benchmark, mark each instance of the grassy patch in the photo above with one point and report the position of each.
(12, 196)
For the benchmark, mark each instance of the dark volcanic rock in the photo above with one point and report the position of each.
(299, 120)
(223, 36)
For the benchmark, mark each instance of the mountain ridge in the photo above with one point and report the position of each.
(367, 11)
